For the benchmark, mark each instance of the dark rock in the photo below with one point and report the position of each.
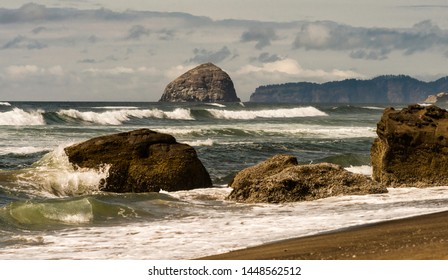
(412, 147)
(281, 179)
(205, 83)
(141, 161)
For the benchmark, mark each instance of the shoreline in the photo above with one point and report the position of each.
(422, 237)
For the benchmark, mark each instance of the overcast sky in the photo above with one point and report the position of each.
(114, 50)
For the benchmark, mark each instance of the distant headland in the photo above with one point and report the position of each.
(382, 89)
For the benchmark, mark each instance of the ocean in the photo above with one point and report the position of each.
(50, 211)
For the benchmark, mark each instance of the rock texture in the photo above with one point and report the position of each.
(141, 161)
(412, 147)
(205, 83)
(383, 89)
(281, 179)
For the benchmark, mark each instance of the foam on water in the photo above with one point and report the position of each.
(363, 169)
(272, 113)
(212, 225)
(216, 105)
(118, 117)
(302, 130)
(55, 176)
(21, 150)
(66, 212)
(20, 117)
(5, 104)
(321, 131)
(206, 142)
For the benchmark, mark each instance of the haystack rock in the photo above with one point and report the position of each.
(205, 83)
(281, 179)
(141, 161)
(412, 147)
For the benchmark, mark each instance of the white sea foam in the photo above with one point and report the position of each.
(21, 150)
(5, 104)
(314, 131)
(216, 105)
(116, 107)
(117, 117)
(240, 225)
(20, 117)
(363, 169)
(373, 108)
(54, 175)
(206, 142)
(68, 212)
(274, 113)
(298, 129)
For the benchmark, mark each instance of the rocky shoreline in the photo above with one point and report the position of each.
(411, 150)
(412, 139)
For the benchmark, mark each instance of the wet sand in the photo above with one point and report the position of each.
(415, 238)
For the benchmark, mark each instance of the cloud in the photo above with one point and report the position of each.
(93, 39)
(203, 55)
(18, 72)
(119, 70)
(370, 43)
(370, 54)
(136, 32)
(22, 42)
(290, 67)
(38, 30)
(166, 34)
(263, 36)
(266, 57)
(87, 60)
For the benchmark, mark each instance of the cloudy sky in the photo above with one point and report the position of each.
(113, 50)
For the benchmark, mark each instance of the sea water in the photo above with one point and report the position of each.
(48, 210)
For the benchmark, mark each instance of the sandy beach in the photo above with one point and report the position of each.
(417, 238)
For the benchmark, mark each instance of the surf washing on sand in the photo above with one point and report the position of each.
(48, 210)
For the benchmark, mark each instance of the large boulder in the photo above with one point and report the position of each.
(412, 147)
(281, 179)
(204, 83)
(141, 161)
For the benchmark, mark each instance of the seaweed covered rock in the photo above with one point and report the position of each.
(141, 161)
(281, 179)
(204, 83)
(412, 147)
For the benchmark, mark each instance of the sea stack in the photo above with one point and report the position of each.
(204, 83)
(411, 149)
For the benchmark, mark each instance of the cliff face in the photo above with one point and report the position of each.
(382, 89)
(204, 83)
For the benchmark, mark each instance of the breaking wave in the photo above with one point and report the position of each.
(55, 176)
(20, 117)
(274, 113)
(22, 150)
(118, 117)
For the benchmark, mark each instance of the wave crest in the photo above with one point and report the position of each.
(274, 113)
(118, 117)
(54, 175)
(20, 117)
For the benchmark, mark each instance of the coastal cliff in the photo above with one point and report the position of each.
(382, 89)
